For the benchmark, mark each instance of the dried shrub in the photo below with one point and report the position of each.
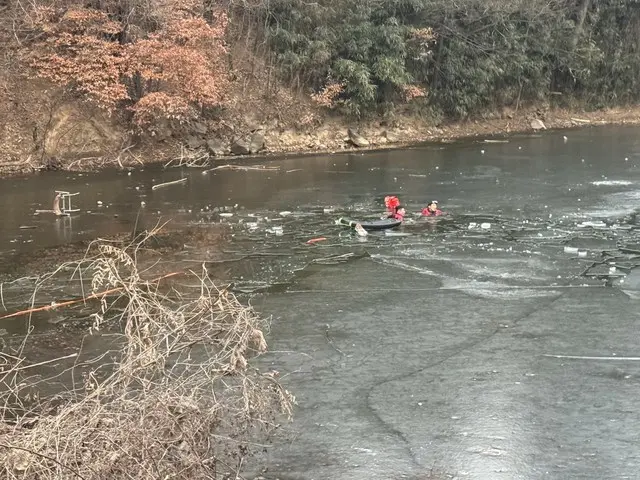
(328, 95)
(180, 400)
(183, 62)
(170, 73)
(73, 54)
(425, 36)
(156, 105)
(413, 91)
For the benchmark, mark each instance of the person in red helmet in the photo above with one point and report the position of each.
(399, 213)
(432, 210)
(391, 202)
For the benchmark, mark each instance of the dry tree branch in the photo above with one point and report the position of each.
(30, 452)
(179, 402)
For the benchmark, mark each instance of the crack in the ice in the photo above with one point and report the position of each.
(466, 346)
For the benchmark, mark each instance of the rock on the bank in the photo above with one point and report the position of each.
(194, 142)
(537, 124)
(241, 147)
(256, 143)
(390, 137)
(357, 139)
(200, 128)
(248, 146)
(216, 147)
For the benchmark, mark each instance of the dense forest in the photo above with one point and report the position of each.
(437, 58)
(481, 54)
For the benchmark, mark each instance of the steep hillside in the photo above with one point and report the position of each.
(90, 84)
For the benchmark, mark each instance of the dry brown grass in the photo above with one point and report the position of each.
(177, 400)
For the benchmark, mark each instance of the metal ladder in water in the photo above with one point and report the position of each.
(67, 208)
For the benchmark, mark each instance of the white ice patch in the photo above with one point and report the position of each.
(496, 290)
(625, 196)
(611, 183)
(484, 289)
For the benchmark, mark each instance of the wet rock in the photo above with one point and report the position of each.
(194, 142)
(241, 147)
(216, 147)
(257, 142)
(537, 124)
(356, 139)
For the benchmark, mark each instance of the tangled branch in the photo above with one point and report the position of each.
(179, 401)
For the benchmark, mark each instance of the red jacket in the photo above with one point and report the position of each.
(428, 213)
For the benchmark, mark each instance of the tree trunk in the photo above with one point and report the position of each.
(581, 17)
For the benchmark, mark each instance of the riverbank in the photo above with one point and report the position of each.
(210, 143)
(408, 131)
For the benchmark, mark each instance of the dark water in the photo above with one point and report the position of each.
(499, 342)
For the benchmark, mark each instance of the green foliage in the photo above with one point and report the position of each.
(488, 53)
(358, 43)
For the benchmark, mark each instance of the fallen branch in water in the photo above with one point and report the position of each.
(67, 303)
(166, 184)
(190, 158)
(242, 167)
(39, 364)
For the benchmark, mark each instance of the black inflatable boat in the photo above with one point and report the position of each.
(382, 224)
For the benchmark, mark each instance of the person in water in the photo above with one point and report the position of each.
(391, 202)
(399, 213)
(432, 210)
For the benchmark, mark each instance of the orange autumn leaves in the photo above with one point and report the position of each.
(171, 73)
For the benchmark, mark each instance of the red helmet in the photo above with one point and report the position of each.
(391, 202)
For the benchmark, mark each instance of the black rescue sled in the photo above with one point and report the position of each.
(382, 224)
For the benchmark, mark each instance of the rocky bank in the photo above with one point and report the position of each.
(43, 130)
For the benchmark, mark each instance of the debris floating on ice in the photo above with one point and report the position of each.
(592, 225)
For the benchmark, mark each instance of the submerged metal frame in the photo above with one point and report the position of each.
(67, 209)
